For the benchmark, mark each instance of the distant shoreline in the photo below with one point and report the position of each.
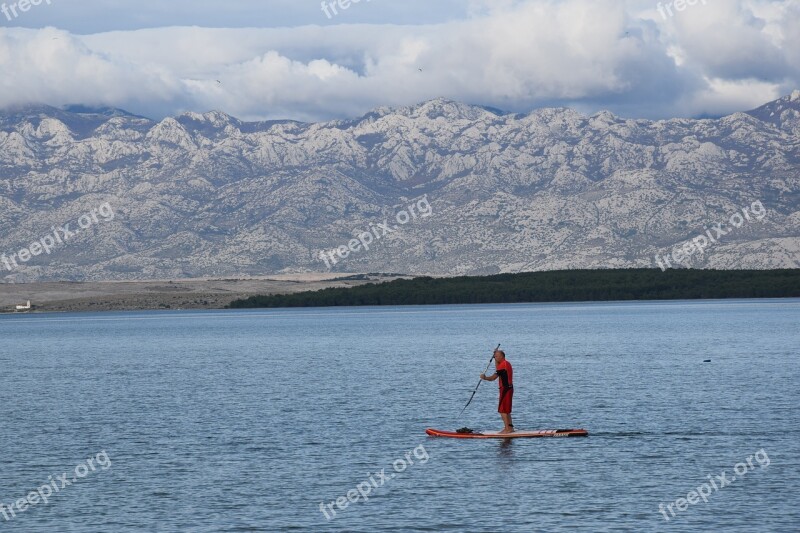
(109, 296)
(330, 290)
(549, 286)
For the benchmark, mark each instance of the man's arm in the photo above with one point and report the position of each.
(489, 378)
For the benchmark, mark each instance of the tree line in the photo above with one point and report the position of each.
(552, 286)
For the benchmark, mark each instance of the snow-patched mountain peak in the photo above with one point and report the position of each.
(54, 131)
(51, 126)
(193, 115)
(783, 113)
(447, 109)
(604, 119)
(170, 131)
(210, 126)
(215, 118)
(218, 118)
(16, 148)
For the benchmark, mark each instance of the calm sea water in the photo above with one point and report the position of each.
(249, 420)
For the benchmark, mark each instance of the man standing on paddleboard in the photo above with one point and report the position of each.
(503, 371)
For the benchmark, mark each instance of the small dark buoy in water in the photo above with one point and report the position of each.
(707, 360)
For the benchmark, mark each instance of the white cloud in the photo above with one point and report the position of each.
(730, 42)
(515, 55)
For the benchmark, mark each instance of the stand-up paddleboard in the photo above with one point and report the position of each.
(514, 435)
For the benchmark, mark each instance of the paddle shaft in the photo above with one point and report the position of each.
(480, 380)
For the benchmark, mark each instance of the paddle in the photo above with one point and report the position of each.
(480, 380)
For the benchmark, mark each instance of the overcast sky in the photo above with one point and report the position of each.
(266, 59)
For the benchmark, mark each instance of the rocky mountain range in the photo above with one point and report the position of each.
(207, 195)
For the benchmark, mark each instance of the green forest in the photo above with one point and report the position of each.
(554, 286)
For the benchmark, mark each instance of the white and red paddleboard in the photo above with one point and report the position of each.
(514, 435)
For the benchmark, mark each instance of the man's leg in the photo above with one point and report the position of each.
(508, 425)
(505, 410)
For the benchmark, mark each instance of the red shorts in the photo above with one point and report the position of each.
(505, 401)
